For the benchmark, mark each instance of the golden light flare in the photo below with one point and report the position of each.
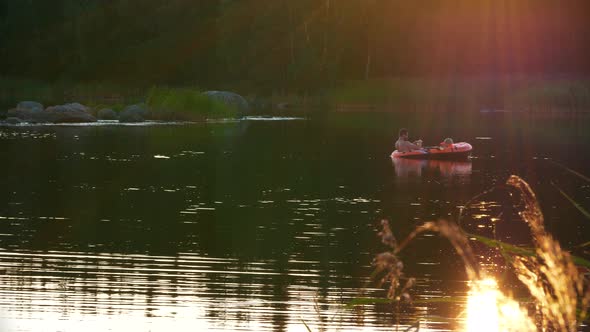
(488, 310)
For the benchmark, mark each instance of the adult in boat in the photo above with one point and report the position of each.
(403, 145)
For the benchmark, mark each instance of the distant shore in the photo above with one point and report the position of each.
(510, 94)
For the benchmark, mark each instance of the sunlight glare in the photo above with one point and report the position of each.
(489, 310)
(482, 307)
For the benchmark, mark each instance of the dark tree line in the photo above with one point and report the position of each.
(286, 44)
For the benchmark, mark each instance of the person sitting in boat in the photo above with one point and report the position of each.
(446, 144)
(403, 145)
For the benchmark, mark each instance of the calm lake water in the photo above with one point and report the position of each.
(263, 225)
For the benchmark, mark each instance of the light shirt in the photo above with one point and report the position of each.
(405, 146)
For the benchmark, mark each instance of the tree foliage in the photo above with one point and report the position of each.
(289, 45)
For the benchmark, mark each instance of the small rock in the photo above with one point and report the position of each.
(69, 113)
(107, 114)
(230, 99)
(283, 106)
(77, 107)
(133, 113)
(24, 113)
(13, 120)
(259, 104)
(29, 105)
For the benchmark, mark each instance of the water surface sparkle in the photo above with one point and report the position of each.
(70, 291)
(261, 224)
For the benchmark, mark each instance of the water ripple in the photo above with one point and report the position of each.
(188, 291)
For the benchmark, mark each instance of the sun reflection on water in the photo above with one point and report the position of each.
(482, 301)
(488, 310)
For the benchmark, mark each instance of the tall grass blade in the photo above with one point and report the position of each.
(503, 246)
(307, 327)
(578, 174)
(551, 277)
(522, 251)
(574, 203)
(414, 327)
(558, 288)
(368, 300)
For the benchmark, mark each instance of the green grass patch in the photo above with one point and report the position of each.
(185, 104)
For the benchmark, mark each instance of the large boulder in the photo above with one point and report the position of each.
(29, 105)
(107, 114)
(68, 113)
(133, 113)
(231, 99)
(32, 111)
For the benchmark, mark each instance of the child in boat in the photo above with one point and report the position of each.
(403, 145)
(447, 143)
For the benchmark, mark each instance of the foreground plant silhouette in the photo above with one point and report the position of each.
(560, 292)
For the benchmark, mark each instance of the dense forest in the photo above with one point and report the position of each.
(293, 45)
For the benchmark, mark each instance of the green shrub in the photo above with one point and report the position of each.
(185, 104)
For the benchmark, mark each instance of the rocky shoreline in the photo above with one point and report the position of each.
(36, 113)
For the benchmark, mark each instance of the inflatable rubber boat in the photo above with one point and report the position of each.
(460, 150)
